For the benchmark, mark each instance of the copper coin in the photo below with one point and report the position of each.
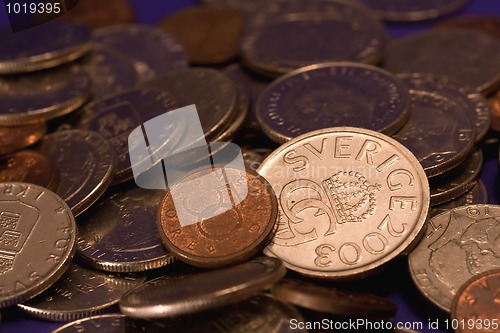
(495, 111)
(487, 24)
(98, 13)
(221, 216)
(210, 34)
(19, 137)
(29, 167)
(476, 307)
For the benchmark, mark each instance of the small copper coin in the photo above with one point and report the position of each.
(476, 307)
(495, 111)
(210, 34)
(487, 24)
(221, 216)
(98, 13)
(19, 137)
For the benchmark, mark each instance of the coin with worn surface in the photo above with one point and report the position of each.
(31, 98)
(253, 157)
(469, 56)
(117, 115)
(165, 297)
(413, 10)
(456, 181)
(86, 164)
(476, 195)
(97, 14)
(120, 234)
(29, 167)
(495, 111)
(152, 51)
(488, 24)
(217, 217)
(49, 45)
(19, 137)
(473, 102)
(333, 300)
(108, 323)
(290, 41)
(439, 132)
(37, 241)
(476, 308)
(79, 293)
(458, 244)
(329, 95)
(210, 34)
(349, 201)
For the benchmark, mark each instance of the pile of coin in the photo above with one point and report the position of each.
(244, 158)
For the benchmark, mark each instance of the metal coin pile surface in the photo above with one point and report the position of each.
(250, 166)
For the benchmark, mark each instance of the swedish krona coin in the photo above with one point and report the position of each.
(349, 201)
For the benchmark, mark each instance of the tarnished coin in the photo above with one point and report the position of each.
(290, 40)
(38, 237)
(49, 45)
(333, 300)
(115, 116)
(79, 293)
(152, 51)
(333, 94)
(458, 244)
(120, 234)
(476, 308)
(457, 181)
(210, 34)
(349, 201)
(488, 24)
(495, 111)
(473, 102)
(413, 10)
(161, 297)
(29, 167)
(469, 56)
(439, 132)
(108, 323)
(253, 157)
(477, 195)
(98, 14)
(216, 217)
(31, 98)
(19, 137)
(86, 164)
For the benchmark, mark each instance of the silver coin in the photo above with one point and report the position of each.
(458, 244)
(120, 234)
(152, 50)
(349, 201)
(37, 240)
(477, 195)
(49, 45)
(333, 94)
(43, 95)
(161, 297)
(108, 323)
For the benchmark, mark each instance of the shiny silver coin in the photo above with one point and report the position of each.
(152, 51)
(79, 293)
(120, 233)
(49, 45)
(333, 94)
(476, 195)
(439, 132)
(38, 237)
(108, 323)
(161, 298)
(458, 244)
(349, 201)
(86, 164)
(31, 98)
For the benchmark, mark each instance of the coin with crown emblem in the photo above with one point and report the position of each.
(349, 201)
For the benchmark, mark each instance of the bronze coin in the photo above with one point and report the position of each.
(29, 167)
(476, 307)
(222, 216)
(210, 34)
(495, 111)
(487, 24)
(19, 137)
(97, 13)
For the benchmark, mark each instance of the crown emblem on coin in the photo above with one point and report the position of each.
(351, 195)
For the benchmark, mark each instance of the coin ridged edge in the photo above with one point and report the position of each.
(127, 267)
(65, 315)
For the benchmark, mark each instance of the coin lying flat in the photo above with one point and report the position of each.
(97, 14)
(349, 201)
(120, 234)
(476, 195)
(19, 137)
(458, 244)
(439, 132)
(469, 56)
(49, 45)
(108, 323)
(329, 95)
(162, 297)
(86, 164)
(476, 307)
(207, 222)
(38, 237)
